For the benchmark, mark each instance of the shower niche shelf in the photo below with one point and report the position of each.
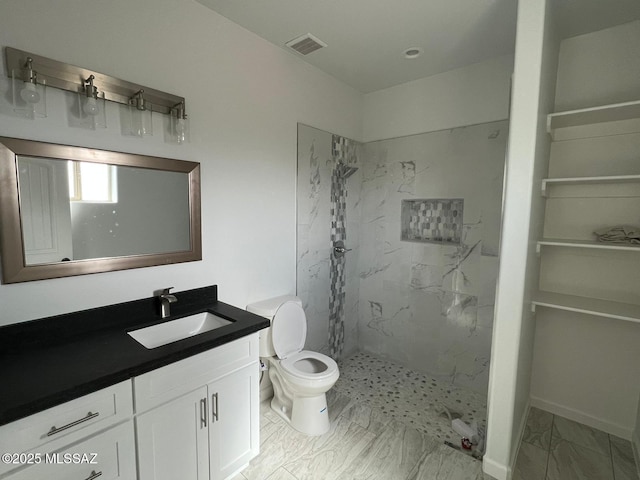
(614, 119)
(590, 306)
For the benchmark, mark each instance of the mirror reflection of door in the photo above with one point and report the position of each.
(45, 210)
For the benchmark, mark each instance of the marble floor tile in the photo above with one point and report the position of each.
(387, 423)
(531, 463)
(538, 428)
(624, 466)
(578, 434)
(337, 403)
(570, 461)
(267, 412)
(391, 456)
(370, 418)
(444, 463)
(328, 456)
(284, 444)
(281, 474)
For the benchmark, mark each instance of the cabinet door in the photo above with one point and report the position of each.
(234, 430)
(172, 439)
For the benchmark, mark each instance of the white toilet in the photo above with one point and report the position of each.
(300, 377)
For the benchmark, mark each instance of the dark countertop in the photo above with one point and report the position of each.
(46, 362)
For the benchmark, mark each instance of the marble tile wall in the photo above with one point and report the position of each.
(428, 306)
(319, 273)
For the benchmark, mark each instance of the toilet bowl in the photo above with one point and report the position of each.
(300, 377)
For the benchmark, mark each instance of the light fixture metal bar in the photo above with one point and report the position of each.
(71, 78)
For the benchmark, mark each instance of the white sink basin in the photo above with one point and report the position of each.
(174, 330)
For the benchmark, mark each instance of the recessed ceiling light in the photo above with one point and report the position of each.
(413, 52)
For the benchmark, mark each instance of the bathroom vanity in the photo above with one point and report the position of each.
(84, 400)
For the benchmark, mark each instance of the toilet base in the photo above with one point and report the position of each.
(308, 415)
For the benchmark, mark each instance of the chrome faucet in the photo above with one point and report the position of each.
(166, 299)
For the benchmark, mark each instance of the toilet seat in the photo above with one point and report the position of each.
(288, 330)
(289, 365)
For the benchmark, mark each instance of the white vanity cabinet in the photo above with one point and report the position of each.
(198, 418)
(53, 443)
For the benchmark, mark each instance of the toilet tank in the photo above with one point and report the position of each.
(267, 309)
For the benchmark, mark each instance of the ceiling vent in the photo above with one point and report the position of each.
(305, 44)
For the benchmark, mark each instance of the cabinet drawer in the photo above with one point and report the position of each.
(57, 427)
(108, 455)
(172, 381)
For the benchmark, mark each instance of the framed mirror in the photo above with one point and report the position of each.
(68, 210)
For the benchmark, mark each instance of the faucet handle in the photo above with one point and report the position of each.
(166, 291)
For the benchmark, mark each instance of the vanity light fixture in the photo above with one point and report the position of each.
(91, 106)
(93, 89)
(29, 96)
(179, 125)
(140, 113)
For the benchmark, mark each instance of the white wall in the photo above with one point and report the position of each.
(470, 95)
(244, 97)
(527, 159)
(586, 368)
(599, 68)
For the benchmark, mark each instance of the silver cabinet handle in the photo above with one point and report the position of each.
(203, 412)
(93, 475)
(214, 407)
(55, 430)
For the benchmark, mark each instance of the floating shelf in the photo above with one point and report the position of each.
(616, 119)
(592, 306)
(546, 182)
(561, 242)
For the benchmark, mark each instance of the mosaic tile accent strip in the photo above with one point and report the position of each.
(415, 399)
(435, 220)
(343, 152)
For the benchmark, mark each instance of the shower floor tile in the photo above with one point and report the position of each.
(409, 397)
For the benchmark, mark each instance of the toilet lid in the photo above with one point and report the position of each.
(288, 329)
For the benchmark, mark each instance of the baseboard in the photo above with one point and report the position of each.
(505, 472)
(635, 442)
(496, 470)
(582, 417)
(520, 436)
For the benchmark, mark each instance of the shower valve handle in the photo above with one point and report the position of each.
(339, 248)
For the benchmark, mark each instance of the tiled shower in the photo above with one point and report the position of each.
(416, 223)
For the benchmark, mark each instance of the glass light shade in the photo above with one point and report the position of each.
(178, 131)
(90, 106)
(181, 130)
(141, 121)
(89, 112)
(29, 99)
(29, 93)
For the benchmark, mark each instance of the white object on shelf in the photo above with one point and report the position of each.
(592, 306)
(562, 242)
(615, 119)
(546, 182)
